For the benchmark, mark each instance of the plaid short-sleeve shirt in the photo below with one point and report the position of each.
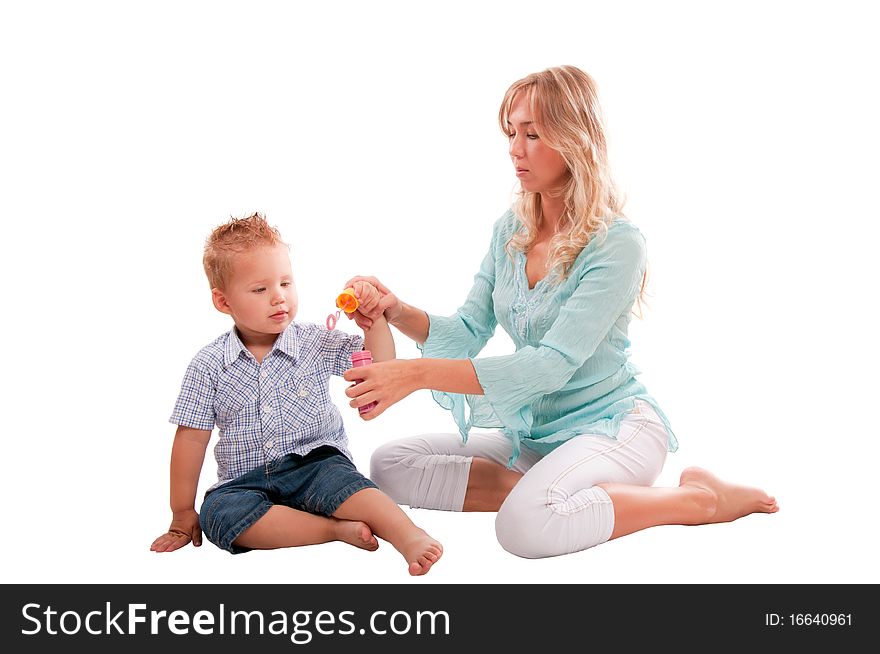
(267, 410)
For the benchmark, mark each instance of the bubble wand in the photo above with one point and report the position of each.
(345, 301)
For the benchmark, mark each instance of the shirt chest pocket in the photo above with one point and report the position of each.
(234, 404)
(304, 401)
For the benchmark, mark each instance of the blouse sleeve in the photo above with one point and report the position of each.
(607, 286)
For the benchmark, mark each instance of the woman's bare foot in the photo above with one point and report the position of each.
(726, 501)
(356, 533)
(420, 550)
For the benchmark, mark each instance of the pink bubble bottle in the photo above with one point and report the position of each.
(358, 359)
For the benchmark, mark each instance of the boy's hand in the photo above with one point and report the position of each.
(184, 528)
(368, 299)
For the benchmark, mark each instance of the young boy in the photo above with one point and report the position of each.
(285, 476)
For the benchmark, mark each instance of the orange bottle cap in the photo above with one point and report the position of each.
(347, 301)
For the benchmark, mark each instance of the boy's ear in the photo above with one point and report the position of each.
(219, 301)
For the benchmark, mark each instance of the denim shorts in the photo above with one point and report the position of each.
(317, 482)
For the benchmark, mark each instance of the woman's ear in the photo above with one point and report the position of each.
(220, 302)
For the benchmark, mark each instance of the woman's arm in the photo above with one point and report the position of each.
(448, 375)
(410, 321)
(512, 382)
(389, 382)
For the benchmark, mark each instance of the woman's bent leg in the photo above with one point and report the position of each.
(558, 506)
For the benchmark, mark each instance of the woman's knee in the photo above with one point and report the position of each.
(516, 535)
(390, 462)
(382, 462)
(538, 529)
(421, 472)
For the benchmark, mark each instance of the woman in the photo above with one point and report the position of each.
(581, 440)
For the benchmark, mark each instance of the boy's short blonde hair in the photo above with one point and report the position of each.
(234, 237)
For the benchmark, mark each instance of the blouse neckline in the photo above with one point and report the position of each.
(524, 277)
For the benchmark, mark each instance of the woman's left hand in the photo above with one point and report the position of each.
(385, 383)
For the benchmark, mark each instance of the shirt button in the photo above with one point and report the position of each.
(267, 408)
(264, 374)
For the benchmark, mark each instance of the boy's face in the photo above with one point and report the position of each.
(260, 294)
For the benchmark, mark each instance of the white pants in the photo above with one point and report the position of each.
(556, 507)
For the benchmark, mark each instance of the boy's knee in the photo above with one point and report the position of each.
(208, 521)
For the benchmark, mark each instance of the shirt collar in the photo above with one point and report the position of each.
(286, 342)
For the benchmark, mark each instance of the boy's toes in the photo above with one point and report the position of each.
(415, 569)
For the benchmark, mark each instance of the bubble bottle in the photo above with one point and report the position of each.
(358, 359)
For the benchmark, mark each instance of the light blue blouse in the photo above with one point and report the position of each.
(570, 374)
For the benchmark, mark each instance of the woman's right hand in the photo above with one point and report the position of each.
(388, 304)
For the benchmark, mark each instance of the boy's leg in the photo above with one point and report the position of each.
(325, 482)
(247, 513)
(388, 521)
(282, 526)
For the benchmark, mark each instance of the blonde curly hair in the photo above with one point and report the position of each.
(234, 237)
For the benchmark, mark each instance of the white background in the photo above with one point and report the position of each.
(745, 139)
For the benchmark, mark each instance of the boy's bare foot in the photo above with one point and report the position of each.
(729, 501)
(356, 533)
(420, 550)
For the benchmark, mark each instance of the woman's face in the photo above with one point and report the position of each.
(539, 167)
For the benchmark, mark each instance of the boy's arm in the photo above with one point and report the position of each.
(187, 457)
(379, 341)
